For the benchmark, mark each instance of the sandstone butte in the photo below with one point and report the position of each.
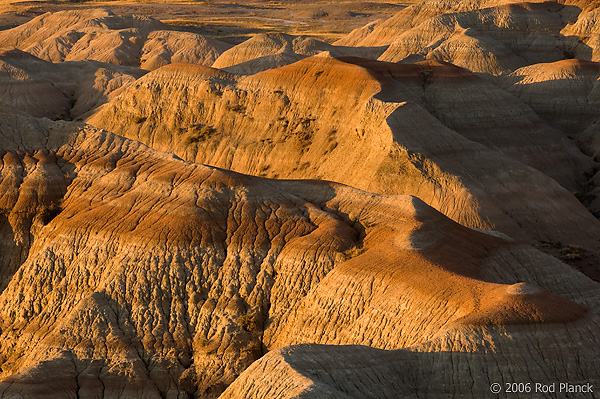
(317, 225)
(145, 276)
(376, 126)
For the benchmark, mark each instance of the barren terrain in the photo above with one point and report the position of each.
(299, 199)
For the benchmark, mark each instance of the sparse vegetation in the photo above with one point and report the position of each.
(572, 252)
(331, 135)
(331, 147)
(307, 121)
(247, 321)
(332, 141)
(235, 108)
(305, 138)
(262, 171)
(200, 134)
(139, 119)
(426, 76)
(304, 165)
(354, 252)
(567, 253)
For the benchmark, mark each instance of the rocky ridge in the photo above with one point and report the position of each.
(491, 37)
(566, 94)
(492, 40)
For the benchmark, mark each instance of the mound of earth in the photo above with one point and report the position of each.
(59, 91)
(492, 37)
(154, 277)
(300, 220)
(385, 31)
(268, 51)
(585, 28)
(438, 369)
(492, 40)
(100, 35)
(565, 93)
(366, 124)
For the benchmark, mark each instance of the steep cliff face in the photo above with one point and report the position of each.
(302, 121)
(158, 277)
(100, 35)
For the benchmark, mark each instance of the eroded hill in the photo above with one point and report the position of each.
(100, 35)
(156, 276)
(59, 91)
(307, 221)
(368, 124)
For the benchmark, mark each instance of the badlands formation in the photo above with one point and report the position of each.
(408, 212)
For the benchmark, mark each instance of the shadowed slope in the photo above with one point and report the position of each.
(492, 40)
(492, 37)
(305, 122)
(160, 277)
(565, 93)
(59, 91)
(439, 369)
(386, 31)
(127, 272)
